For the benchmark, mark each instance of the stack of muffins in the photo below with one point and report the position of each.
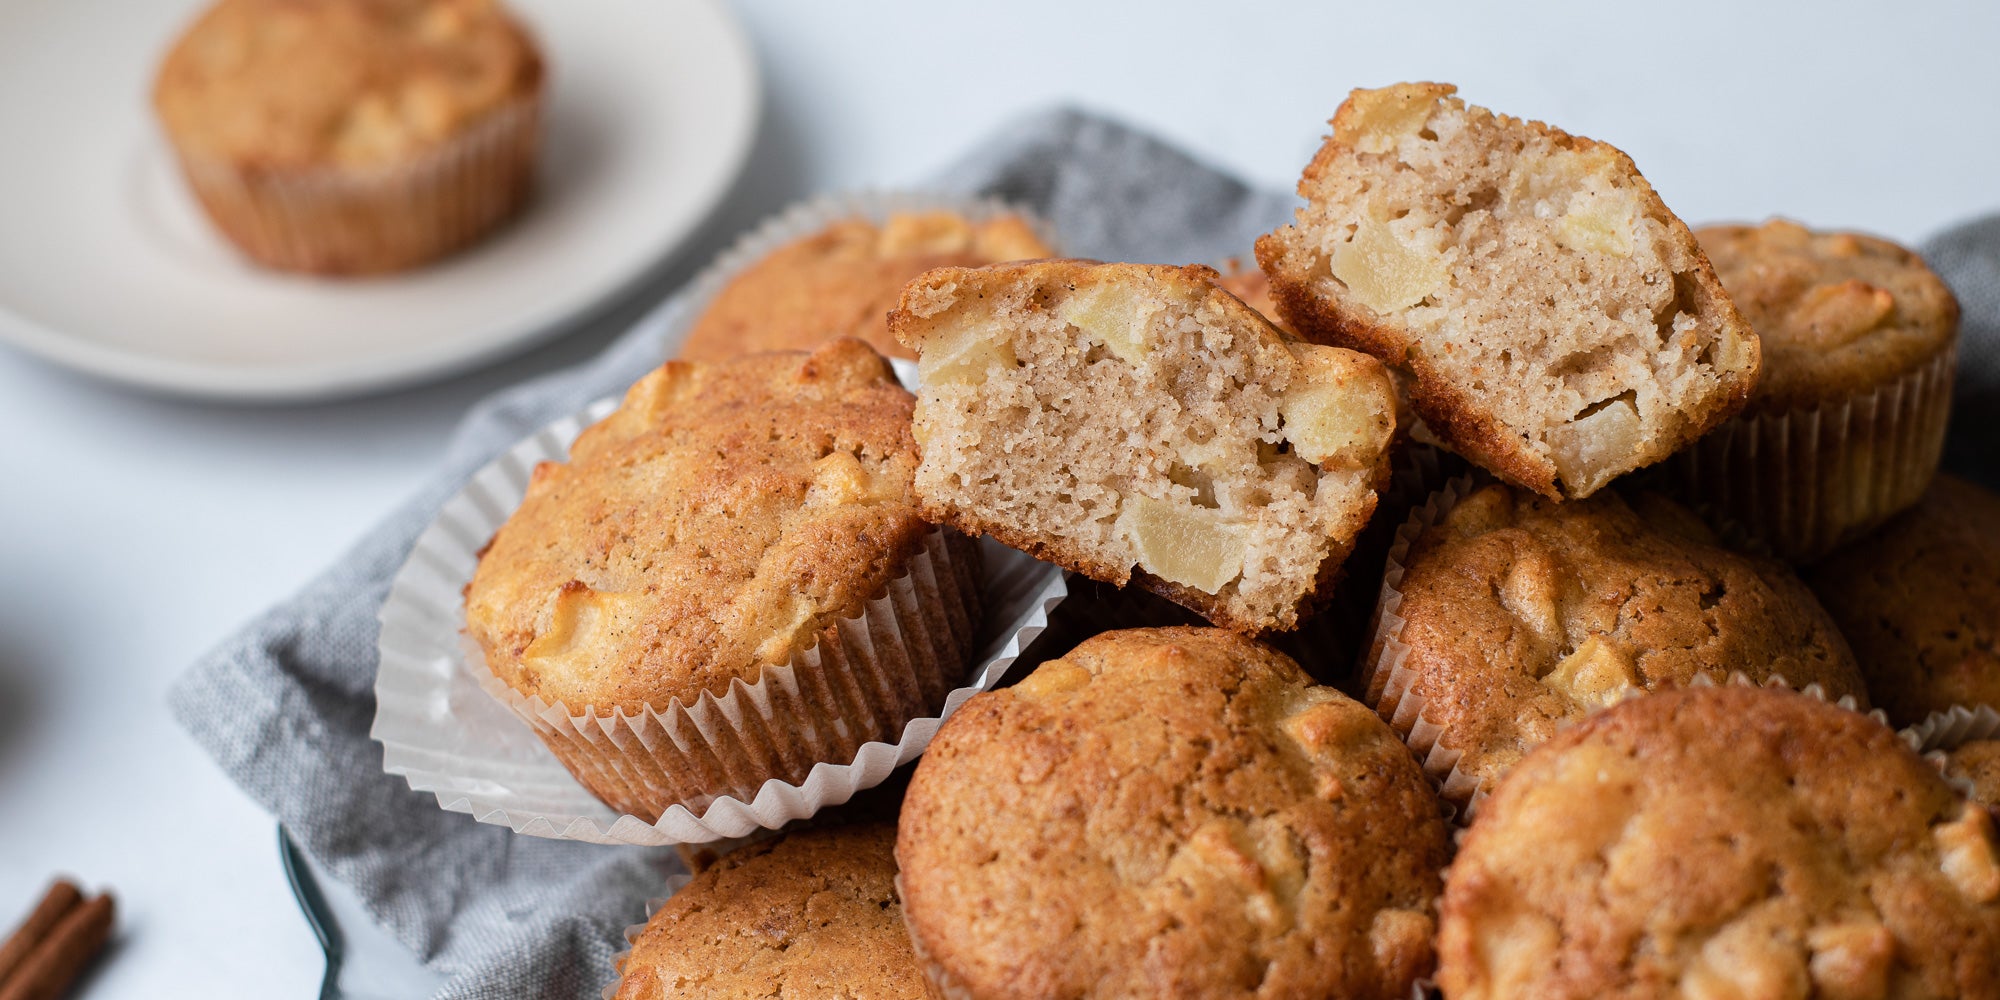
(1637, 696)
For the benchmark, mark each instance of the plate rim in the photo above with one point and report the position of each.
(381, 373)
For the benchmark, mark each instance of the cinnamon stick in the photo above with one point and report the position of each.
(62, 897)
(53, 965)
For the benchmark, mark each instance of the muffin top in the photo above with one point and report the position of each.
(1920, 601)
(1522, 615)
(844, 279)
(1723, 842)
(718, 522)
(1977, 762)
(806, 915)
(1837, 312)
(296, 84)
(1174, 811)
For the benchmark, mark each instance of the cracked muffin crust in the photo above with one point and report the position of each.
(1920, 601)
(1173, 811)
(1522, 615)
(1559, 326)
(811, 914)
(842, 281)
(1724, 842)
(1136, 422)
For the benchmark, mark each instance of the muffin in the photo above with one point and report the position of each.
(1977, 763)
(354, 136)
(1253, 287)
(728, 582)
(1846, 426)
(1135, 422)
(1920, 602)
(1724, 842)
(842, 281)
(807, 915)
(1514, 616)
(1556, 323)
(1169, 812)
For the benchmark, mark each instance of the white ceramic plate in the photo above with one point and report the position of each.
(107, 265)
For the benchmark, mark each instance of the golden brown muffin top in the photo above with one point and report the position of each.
(299, 84)
(843, 280)
(1977, 761)
(1837, 313)
(718, 522)
(1920, 602)
(1724, 842)
(1174, 811)
(1522, 615)
(807, 915)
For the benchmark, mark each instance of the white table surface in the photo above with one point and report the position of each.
(135, 532)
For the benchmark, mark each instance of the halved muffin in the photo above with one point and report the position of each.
(1137, 422)
(1558, 324)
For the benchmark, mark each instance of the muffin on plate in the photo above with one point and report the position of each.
(805, 915)
(1136, 422)
(1169, 812)
(1920, 602)
(1846, 426)
(1514, 616)
(1724, 842)
(842, 281)
(354, 137)
(728, 582)
(1556, 323)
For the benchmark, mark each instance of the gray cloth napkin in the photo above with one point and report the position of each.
(285, 705)
(1967, 256)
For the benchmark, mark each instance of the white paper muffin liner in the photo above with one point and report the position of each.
(1948, 730)
(1807, 480)
(337, 220)
(807, 217)
(1389, 684)
(892, 663)
(446, 735)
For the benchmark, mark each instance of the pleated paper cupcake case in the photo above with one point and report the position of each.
(1805, 481)
(893, 663)
(443, 730)
(1942, 732)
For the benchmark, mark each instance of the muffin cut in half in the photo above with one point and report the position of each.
(1558, 324)
(1134, 421)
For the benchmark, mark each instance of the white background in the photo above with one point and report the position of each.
(135, 532)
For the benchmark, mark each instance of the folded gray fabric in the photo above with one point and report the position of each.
(1967, 256)
(285, 705)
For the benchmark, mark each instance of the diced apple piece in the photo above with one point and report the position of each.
(1340, 409)
(913, 233)
(1596, 675)
(1597, 439)
(578, 618)
(1598, 221)
(965, 358)
(1181, 543)
(1053, 678)
(1851, 961)
(1377, 118)
(1383, 272)
(1111, 315)
(1839, 312)
(1966, 850)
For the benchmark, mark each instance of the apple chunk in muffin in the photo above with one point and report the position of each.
(1137, 422)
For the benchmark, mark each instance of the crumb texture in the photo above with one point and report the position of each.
(1724, 842)
(1559, 324)
(716, 523)
(1836, 313)
(811, 915)
(1171, 812)
(1131, 421)
(1920, 601)
(1522, 615)
(843, 280)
